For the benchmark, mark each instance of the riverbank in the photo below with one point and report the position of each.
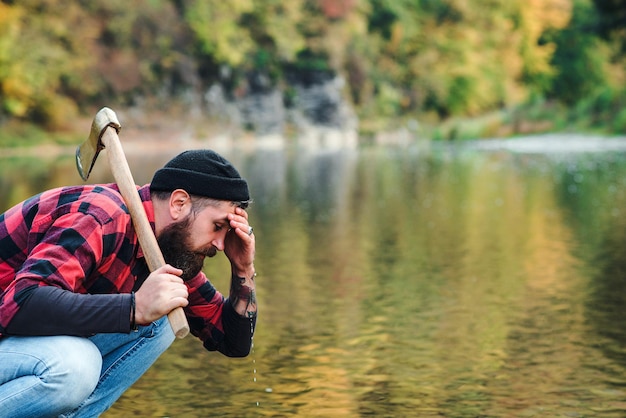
(177, 126)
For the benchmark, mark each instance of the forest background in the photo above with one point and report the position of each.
(453, 69)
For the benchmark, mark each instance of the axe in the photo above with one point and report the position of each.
(104, 130)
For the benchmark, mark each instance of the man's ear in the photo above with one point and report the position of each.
(179, 204)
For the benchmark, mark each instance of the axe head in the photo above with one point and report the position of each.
(87, 152)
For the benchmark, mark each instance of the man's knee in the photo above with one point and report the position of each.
(47, 376)
(71, 371)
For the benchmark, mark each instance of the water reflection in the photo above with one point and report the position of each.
(458, 282)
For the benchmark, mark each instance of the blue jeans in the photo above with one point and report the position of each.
(72, 376)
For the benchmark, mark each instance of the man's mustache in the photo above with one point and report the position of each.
(209, 252)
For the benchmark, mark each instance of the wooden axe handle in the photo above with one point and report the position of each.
(147, 240)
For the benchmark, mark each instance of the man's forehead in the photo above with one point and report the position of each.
(220, 211)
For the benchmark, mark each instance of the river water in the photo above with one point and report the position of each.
(482, 279)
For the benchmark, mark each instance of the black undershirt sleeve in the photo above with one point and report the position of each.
(49, 310)
(238, 332)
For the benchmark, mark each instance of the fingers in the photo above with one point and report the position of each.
(240, 216)
(244, 233)
(169, 270)
(240, 251)
(241, 212)
(162, 291)
(239, 223)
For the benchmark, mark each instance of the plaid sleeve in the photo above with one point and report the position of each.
(205, 309)
(57, 239)
(64, 256)
(215, 322)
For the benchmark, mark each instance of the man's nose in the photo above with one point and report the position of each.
(218, 242)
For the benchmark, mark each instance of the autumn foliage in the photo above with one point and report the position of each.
(428, 59)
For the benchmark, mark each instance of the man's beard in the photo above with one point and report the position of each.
(174, 243)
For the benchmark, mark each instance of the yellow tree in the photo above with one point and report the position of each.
(468, 60)
(535, 18)
(14, 87)
(40, 44)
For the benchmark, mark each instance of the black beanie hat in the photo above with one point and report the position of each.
(202, 173)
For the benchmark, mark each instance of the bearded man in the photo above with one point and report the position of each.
(81, 316)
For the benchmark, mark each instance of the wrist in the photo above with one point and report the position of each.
(133, 312)
(248, 273)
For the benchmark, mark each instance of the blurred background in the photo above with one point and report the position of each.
(439, 190)
(450, 69)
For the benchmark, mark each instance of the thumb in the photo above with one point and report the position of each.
(169, 269)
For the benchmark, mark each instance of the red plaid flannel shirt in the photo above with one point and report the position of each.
(81, 239)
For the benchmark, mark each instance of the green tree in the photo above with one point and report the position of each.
(216, 25)
(579, 57)
(430, 59)
(449, 57)
(612, 23)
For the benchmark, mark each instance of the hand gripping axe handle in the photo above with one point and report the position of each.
(104, 134)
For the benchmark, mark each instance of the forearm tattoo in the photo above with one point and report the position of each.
(243, 296)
